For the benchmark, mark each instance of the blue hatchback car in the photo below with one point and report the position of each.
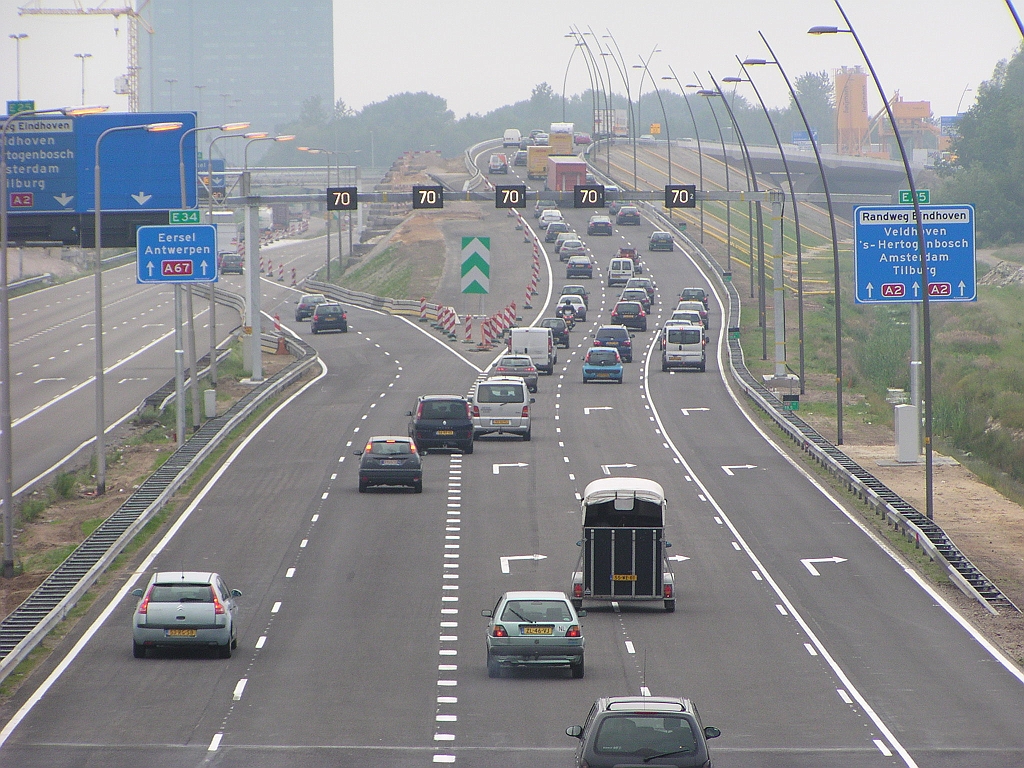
(602, 364)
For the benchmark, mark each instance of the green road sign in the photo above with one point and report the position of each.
(924, 197)
(14, 107)
(186, 216)
(476, 265)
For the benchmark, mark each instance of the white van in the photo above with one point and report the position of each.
(682, 346)
(511, 138)
(502, 405)
(620, 271)
(538, 343)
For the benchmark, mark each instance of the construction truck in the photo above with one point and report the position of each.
(537, 161)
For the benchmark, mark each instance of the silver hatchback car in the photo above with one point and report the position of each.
(185, 608)
(534, 629)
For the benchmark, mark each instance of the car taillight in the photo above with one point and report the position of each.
(573, 631)
(469, 412)
(526, 411)
(144, 605)
(501, 368)
(641, 313)
(476, 411)
(531, 369)
(668, 591)
(419, 411)
(577, 590)
(218, 608)
(499, 631)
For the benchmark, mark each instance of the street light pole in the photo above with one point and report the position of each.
(101, 458)
(6, 428)
(725, 159)
(925, 312)
(170, 88)
(664, 114)
(82, 57)
(623, 73)
(700, 153)
(17, 60)
(835, 239)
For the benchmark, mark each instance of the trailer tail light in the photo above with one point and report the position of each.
(668, 591)
(573, 631)
(577, 590)
(499, 631)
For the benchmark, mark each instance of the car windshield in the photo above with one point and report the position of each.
(647, 734)
(181, 593)
(684, 335)
(536, 611)
(443, 409)
(500, 393)
(602, 357)
(389, 447)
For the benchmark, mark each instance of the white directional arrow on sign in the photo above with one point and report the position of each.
(729, 469)
(497, 467)
(607, 468)
(679, 558)
(64, 198)
(506, 560)
(141, 197)
(809, 563)
(688, 411)
(587, 411)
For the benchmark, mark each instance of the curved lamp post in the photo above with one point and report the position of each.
(565, 78)
(700, 154)
(6, 443)
(725, 159)
(328, 152)
(777, 268)
(832, 223)
(925, 313)
(620, 64)
(664, 114)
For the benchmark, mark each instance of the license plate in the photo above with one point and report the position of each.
(446, 432)
(623, 577)
(531, 630)
(500, 421)
(181, 633)
(604, 375)
(390, 462)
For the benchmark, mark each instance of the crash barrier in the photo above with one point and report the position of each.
(23, 629)
(912, 524)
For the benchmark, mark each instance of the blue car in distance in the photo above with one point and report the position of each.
(602, 364)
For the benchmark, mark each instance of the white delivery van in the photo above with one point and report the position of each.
(682, 346)
(620, 271)
(538, 343)
(511, 138)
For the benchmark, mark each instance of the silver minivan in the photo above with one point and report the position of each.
(501, 404)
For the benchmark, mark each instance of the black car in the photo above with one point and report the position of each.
(307, 304)
(232, 263)
(579, 266)
(442, 421)
(615, 336)
(328, 317)
(661, 241)
(694, 294)
(614, 206)
(648, 730)
(571, 289)
(519, 158)
(600, 225)
(390, 460)
(630, 314)
(629, 215)
(554, 229)
(559, 330)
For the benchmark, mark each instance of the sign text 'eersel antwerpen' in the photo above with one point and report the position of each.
(177, 254)
(887, 259)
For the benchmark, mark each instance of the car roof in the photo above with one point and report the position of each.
(535, 595)
(607, 488)
(575, 296)
(660, 232)
(647, 704)
(616, 328)
(313, 296)
(602, 349)
(389, 439)
(501, 380)
(441, 397)
(578, 258)
(167, 577)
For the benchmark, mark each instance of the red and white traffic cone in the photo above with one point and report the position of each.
(293, 277)
(511, 314)
(261, 265)
(469, 330)
(280, 273)
(527, 304)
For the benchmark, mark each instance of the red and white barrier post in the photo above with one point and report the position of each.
(469, 329)
(423, 309)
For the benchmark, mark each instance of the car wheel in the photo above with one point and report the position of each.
(584, 380)
(315, 331)
(703, 367)
(417, 486)
(234, 643)
(344, 329)
(138, 650)
(577, 670)
(363, 486)
(619, 380)
(468, 447)
(224, 651)
(670, 606)
(493, 668)
(664, 367)
(526, 437)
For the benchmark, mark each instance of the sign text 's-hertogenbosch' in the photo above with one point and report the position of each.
(887, 259)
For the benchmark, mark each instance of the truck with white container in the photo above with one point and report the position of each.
(560, 137)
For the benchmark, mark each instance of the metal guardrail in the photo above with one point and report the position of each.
(30, 622)
(913, 525)
(408, 307)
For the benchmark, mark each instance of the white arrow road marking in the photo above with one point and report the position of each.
(141, 197)
(506, 560)
(688, 411)
(497, 467)
(809, 563)
(607, 468)
(729, 469)
(679, 558)
(587, 411)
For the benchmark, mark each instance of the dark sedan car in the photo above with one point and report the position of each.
(442, 421)
(579, 266)
(629, 215)
(661, 241)
(572, 289)
(390, 460)
(630, 314)
(600, 225)
(618, 337)
(554, 230)
(306, 305)
(329, 317)
(559, 330)
(636, 294)
(694, 294)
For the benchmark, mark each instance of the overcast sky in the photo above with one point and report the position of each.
(480, 54)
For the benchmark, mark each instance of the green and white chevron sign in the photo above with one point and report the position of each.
(476, 265)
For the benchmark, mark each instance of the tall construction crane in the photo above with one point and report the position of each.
(129, 83)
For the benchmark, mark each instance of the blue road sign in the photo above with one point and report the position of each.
(51, 163)
(177, 254)
(887, 262)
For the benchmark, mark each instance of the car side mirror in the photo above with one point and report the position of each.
(582, 613)
(533, 399)
(487, 613)
(710, 732)
(579, 543)
(408, 413)
(668, 544)
(357, 453)
(236, 593)
(576, 731)
(138, 592)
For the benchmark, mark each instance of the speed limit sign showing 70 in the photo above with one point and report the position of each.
(510, 196)
(680, 195)
(342, 198)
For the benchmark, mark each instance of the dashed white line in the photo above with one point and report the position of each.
(289, 573)
(215, 742)
(237, 694)
(276, 608)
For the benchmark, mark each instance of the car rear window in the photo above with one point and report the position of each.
(181, 593)
(613, 333)
(628, 306)
(443, 409)
(684, 335)
(500, 393)
(689, 294)
(602, 357)
(389, 447)
(534, 611)
(629, 734)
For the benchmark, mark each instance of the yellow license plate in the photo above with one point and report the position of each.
(624, 577)
(538, 630)
(445, 432)
(181, 633)
(500, 421)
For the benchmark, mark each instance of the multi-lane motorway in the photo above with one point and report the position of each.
(797, 633)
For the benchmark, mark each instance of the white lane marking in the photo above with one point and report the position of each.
(810, 649)
(448, 683)
(809, 563)
(237, 695)
(645, 691)
(736, 546)
(277, 607)
(446, 718)
(882, 748)
(289, 573)
(303, 543)
(314, 518)
(447, 700)
(324, 496)
(781, 609)
(629, 647)
(757, 575)
(261, 642)
(215, 742)
(844, 696)
(444, 737)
